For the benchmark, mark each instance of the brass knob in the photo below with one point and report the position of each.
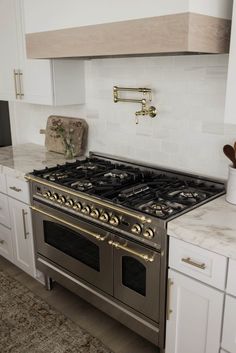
(1, 242)
(136, 229)
(55, 196)
(70, 203)
(77, 206)
(62, 199)
(114, 221)
(47, 194)
(95, 213)
(86, 210)
(148, 233)
(104, 217)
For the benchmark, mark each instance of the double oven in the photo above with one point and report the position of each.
(114, 272)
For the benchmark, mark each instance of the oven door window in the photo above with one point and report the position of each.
(72, 243)
(134, 275)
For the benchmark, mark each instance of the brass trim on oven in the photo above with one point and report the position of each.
(142, 219)
(92, 234)
(117, 245)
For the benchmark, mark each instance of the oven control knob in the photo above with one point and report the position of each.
(86, 210)
(148, 233)
(136, 229)
(77, 206)
(104, 217)
(114, 221)
(70, 203)
(62, 200)
(55, 197)
(47, 194)
(95, 213)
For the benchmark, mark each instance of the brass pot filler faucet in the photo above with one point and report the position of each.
(145, 108)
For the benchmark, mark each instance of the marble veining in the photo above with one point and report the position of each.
(18, 160)
(211, 226)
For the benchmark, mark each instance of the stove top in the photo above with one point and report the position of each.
(158, 193)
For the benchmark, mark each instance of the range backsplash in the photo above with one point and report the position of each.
(188, 133)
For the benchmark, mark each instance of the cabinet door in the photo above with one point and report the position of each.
(9, 53)
(229, 327)
(6, 249)
(22, 236)
(195, 316)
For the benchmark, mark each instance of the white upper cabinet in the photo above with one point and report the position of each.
(57, 14)
(33, 81)
(230, 110)
(9, 50)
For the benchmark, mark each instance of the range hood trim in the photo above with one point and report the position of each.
(185, 33)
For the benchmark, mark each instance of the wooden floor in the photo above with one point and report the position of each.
(114, 335)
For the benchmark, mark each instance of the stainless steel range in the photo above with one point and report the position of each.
(100, 230)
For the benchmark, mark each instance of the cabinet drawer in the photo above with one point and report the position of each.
(19, 189)
(231, 282)
(6, 248)
(4, 211)
(229, 326)
(3, 185)
(198, 263)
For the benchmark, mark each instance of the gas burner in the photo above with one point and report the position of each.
(115, 173)
(82, 185)
(188, 195)
(88, 166)
(161, 208)
(56, 176)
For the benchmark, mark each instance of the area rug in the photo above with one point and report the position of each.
(30, 325)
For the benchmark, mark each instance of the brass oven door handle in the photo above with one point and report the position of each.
(189, 261)
(168, 309)
(117, 245)
(24, 213)
(92, 234)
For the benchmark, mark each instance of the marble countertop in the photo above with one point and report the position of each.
(211, 226)
(21, 159)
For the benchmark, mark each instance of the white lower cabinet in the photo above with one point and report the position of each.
(22, 236)
(195, 316)
(6, 249)
(229, 327)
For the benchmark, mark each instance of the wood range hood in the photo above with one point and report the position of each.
(183, 33)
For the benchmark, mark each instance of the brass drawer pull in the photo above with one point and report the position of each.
(189, 261)
(16, 75)
(14, 188)
(168, 310)
(117, 245)
(92, 234)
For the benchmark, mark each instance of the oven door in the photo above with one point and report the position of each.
(137, 276)
(77, 246)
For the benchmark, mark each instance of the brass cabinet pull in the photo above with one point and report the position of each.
(92, 234)
(189, 261)
(1, 242)
(24, 213)
(142, 219)
(16, 73)
(14, 188)
(117, 245)
(168, 310)
(20, 75)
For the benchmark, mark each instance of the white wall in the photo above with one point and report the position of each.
(188, 134)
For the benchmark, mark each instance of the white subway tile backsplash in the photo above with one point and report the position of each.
(189, 93)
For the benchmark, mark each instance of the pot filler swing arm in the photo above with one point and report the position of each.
(146, 109)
